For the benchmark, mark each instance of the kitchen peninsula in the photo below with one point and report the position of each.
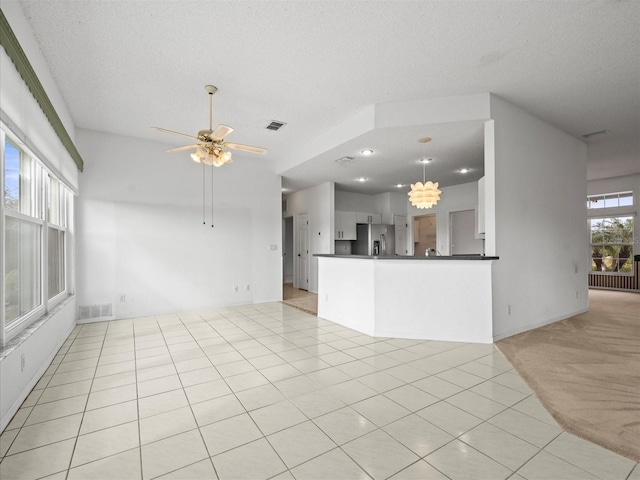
(433, 298)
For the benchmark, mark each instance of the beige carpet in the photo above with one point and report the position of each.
(300, 299)
(586, 370)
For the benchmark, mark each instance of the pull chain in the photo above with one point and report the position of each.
(203, 200)
(212, 196)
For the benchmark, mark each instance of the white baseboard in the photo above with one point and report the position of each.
(96, 320)
(422, 336)
(511, 333)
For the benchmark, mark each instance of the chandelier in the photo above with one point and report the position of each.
(211, 154)
(424, 194)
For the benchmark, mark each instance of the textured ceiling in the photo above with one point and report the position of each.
(124, 66)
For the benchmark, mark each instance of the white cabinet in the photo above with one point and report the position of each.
(345, 225)
(362, 217)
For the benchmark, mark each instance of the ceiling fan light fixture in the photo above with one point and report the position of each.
(210, 149)
(200, 154)
(222, 158)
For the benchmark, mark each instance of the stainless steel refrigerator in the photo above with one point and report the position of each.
(378, 240)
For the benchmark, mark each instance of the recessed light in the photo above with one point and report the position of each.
(400, 185)
(425, 160)
(465, 170)
(361, 179)
(366, 152)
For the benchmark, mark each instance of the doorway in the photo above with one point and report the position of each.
(425, 234)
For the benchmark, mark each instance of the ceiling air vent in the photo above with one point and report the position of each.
(593, 134)
(275, 125)
(344, 160)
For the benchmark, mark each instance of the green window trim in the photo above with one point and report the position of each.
(11, 45)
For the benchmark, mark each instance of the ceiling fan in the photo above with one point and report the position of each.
(210, 148)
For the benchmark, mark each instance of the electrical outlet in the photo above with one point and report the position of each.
(23, 362)
(273, 247)
(247, 287)
(123, 298)
(509, 309)
(235, 288)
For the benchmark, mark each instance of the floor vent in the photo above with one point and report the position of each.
(275, 125)
(95, 311)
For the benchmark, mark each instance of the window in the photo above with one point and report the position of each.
(35, 219)
(19, 186)
(56, 236)
(22, 268)
(620, 199)
(612, 244)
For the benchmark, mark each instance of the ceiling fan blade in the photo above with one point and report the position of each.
(221, 131)
(174, 132)
(186, 147)
(246, 148)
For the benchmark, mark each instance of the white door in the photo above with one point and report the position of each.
(463, 234)
(400, 222)
(287, 250)
(302, 252)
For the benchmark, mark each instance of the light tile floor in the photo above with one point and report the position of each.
(268, 391)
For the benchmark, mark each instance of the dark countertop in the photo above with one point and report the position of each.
(402, 257)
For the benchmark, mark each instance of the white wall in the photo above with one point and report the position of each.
(452, 199)
(140, 230)
(615, 184)
(318, 203)
(355, 202)
(540, 221)
(606, 156)
(390, 204)
(38, 350)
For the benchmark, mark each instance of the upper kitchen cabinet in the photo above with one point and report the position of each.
(345, 225)
(375, 218)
